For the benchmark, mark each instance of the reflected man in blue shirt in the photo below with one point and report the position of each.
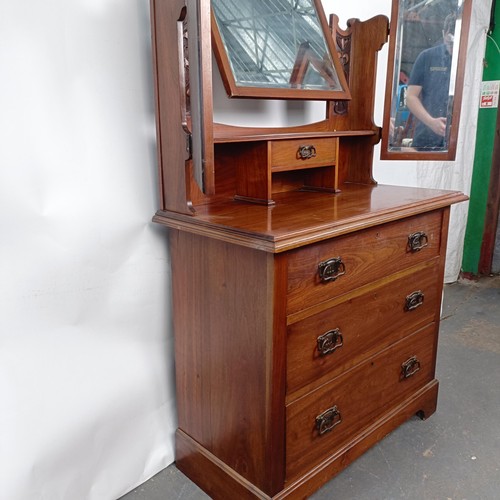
(428, 92)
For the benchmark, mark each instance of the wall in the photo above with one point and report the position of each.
(86, 365)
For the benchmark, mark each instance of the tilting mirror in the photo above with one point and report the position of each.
(276, 49)
(428, 42)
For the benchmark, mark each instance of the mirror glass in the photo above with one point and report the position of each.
(425, 85)
(275, 45)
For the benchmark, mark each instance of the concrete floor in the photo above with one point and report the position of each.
(455, 455)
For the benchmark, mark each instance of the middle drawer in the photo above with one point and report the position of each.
(324, 345)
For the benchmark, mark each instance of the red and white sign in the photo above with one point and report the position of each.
(489, 94)
(486, 101)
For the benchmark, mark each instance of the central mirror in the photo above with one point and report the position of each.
(276, 49)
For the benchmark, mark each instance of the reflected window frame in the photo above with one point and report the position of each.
(235, 90)
(408, 153)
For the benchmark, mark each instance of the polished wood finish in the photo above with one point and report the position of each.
(242, 358)
(171, 138)
(373, 254)
(356, 154)
(249, 303)
(231, 133)
(285, 155)
(181, 193)
(230, 303)
(221, 482)
(362, 395)
(359, 316)
(299, 218)
(258, 162)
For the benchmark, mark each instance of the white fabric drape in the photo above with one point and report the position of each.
(458, 174)
(86, 364)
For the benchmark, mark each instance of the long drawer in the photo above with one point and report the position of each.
(320, 423)
(324, 270)
(322, 346)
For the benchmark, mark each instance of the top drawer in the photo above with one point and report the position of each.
(303, 153)
(322, 271)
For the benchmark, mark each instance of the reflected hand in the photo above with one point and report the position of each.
(438, 126)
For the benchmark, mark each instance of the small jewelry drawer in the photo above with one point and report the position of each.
(324, 345)
(321, 422)
(324, 270)
(303, 153)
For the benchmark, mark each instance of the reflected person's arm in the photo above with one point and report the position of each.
(437, 125)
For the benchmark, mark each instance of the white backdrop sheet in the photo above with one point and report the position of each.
(86, 363)
(458, 174)
(87, 408)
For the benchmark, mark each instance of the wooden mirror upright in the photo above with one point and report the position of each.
(306, 297)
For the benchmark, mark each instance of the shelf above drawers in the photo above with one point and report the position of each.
(266, 168)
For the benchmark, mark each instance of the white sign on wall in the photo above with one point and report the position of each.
(489, 94)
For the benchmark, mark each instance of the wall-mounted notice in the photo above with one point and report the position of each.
(489, 94)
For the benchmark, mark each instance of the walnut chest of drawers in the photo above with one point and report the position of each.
(304, 333)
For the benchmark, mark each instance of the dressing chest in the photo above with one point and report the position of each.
(306, 297)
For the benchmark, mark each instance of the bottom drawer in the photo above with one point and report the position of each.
(319, 423)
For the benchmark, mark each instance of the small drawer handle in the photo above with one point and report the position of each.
(417, 241)
(306, 152)
(410, 367)
(414, 300)
(331, 269)
(328, 420)
(329, 342)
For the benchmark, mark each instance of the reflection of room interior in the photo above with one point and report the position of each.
(421, 29)
(261, 50)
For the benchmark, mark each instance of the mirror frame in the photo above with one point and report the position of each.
(234, 90)
(450, 153)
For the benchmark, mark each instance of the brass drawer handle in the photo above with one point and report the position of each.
(328, 420)
(414, 300)
(306, 152)
(331, 269)
(410, 367)
(330, 341)
(417, 241)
